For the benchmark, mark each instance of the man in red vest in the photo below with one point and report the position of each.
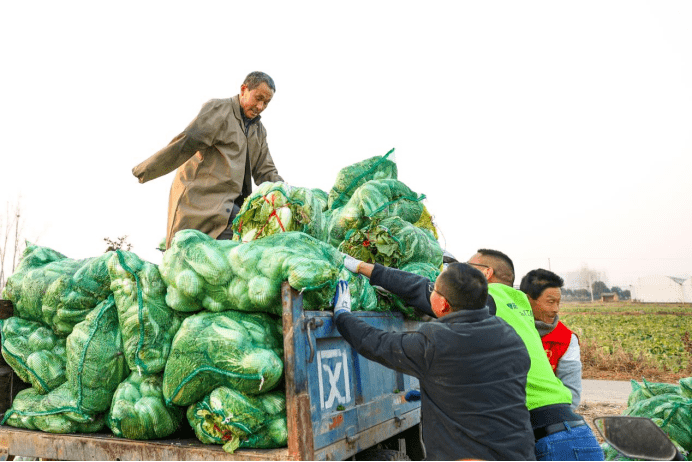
(542, 288)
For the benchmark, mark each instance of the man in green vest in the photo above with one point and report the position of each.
(560, 433)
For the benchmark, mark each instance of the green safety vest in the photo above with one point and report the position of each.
(543, 388)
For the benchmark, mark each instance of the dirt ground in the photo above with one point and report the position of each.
(589, 410)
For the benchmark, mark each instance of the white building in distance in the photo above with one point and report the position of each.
(662, 289)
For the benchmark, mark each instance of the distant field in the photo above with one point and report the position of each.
(600, 307)
(632, 339)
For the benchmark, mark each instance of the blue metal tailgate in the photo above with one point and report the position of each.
(340, 402)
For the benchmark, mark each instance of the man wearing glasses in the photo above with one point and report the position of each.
(560, 433)
(472, 366)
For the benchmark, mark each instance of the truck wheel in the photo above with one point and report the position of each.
(381, 454)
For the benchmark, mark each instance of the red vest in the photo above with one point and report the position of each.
(556, 343)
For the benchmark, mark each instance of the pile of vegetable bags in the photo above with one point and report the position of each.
(76, 368)
(118, 342)
(369, 214)
(668, 405)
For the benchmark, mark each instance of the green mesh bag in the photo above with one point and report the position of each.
(36, 283)
(389, 301)
(57, 290)
(202, 273)
(352, 177)
(673, 432)
(54, 412)
(95, 358)
(33, 257)
(34, 352)
(197, 272)
(147, 324)
(392, 242)
(686, 387)
(650, 389)
(239, 350)
(363, 295)
(426, 222)
(70, 299)
(676, 421)
(237, 420)
(277, 208)
(322, 197)
(374, 199)
(138, 410)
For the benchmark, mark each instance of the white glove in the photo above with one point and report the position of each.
(342, 299)
(351, 263)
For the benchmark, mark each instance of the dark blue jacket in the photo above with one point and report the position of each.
(472, 370)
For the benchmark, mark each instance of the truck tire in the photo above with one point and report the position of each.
(381, 454)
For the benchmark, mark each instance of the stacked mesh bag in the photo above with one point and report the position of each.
(231, 345)
(278, 207)
(376, 218)
(81, 328)
(368, 214)
(668, 405)
(116, 341)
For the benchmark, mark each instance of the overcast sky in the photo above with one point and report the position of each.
(557, 132)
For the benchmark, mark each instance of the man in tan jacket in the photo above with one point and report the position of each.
(217, 156)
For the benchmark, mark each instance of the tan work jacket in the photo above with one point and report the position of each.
(210, 155)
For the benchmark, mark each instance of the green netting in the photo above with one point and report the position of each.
(36, 283)
(686, 387)
(197, 272)
(322, 197)
(241, 350)
(55, 412)
(667, 405)
(389, 301)
(57, 290)
(277, 208)
(95, 358)
(89, 286)
(238, 420)
(32, 257)
(392, 242)
(426, 222)
(363, 296)
(648, 389)
(147, 324)
(374, 199)
(248, 276)
(138, 410)
(34, 352)
(352, 177)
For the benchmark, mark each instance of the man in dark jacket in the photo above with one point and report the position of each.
(472, 367)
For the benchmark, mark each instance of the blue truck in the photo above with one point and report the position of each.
(339, 406)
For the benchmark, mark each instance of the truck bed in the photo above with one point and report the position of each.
(37, 444)
(338, 404)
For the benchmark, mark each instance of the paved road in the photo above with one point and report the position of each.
(605, 391)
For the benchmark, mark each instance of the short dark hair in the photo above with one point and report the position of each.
(255, 79)
(463, 286)
(536, 281)
(502, 265)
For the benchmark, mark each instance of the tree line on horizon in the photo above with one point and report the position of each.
(598, 288)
